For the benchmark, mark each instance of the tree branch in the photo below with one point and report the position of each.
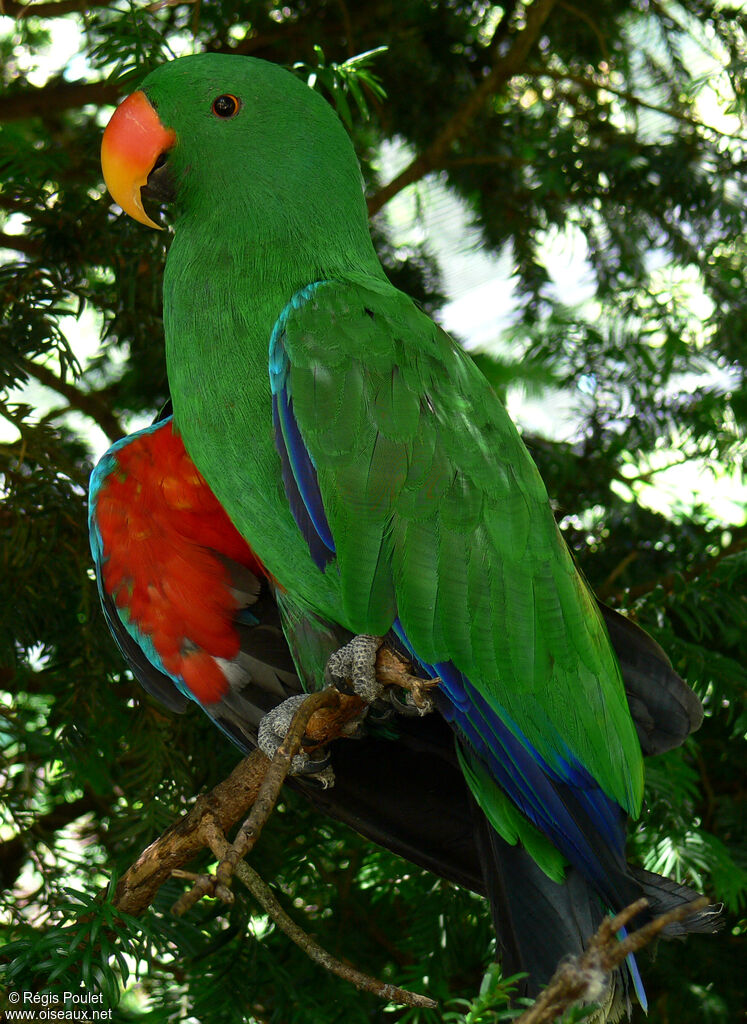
(87, 402)
(28, 246)
(225, 804)
(503, 69)
(586, 977)
(230, 799)
(51, 99)
(738, 543)
(11, 9)
(273, 777)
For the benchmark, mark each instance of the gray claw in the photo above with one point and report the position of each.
(356, 662)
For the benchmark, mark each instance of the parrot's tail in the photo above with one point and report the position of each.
(539, 922)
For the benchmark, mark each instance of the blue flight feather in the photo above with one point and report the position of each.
(298, 470)
(320, 551)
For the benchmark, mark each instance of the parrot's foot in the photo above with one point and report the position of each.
(272, 731)
(356, 663)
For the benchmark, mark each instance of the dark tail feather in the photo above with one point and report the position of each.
(537, 921)
(663, 895)
(664, 708)
(408, 796)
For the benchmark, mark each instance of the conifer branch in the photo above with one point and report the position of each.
(14, 851)
(596, 84)
(503, 69)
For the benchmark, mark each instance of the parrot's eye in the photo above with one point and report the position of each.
(226, 106)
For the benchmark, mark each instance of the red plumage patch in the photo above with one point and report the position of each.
(163, 531)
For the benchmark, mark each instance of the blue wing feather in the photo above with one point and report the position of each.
(298, 470)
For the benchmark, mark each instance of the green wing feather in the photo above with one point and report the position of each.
(440, 516)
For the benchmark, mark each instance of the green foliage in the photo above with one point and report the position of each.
(617, 137)
(348, 78)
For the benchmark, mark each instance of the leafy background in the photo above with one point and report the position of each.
(537, 131)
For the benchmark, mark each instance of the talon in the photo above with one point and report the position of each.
(416, 702)
(356, 663)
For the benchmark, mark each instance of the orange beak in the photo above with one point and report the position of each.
(133, 141)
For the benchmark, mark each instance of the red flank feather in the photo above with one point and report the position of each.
(163, 531)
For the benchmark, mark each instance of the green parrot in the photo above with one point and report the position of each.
(368, 463)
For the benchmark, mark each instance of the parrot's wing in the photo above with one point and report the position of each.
(408, 478)
(184, 597)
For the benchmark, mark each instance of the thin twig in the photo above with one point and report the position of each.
(577, 12)
(598, 83)
(264, 896)
(274, 777)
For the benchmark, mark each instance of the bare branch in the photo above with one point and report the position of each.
(52, 99)
(138, 886)
(586, 977)
(274, 775)
(230, 800)
(28, 246)
(225, 804)
(503, 69)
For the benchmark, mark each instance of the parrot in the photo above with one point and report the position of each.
(196, 619)
(375, 474)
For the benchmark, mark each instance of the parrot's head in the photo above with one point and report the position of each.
(234, 140)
